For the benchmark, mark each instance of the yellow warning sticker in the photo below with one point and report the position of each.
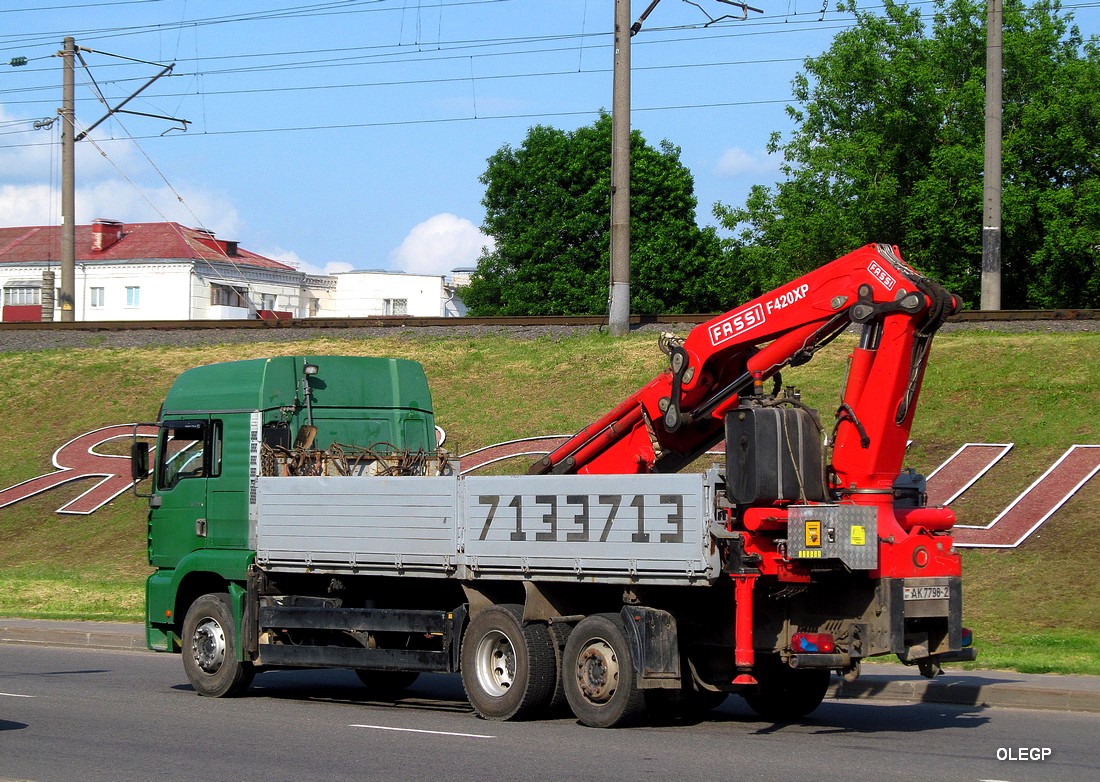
(859, 535)
(813, 533)
(804, 554)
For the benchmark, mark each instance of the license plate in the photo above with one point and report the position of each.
(926, 592)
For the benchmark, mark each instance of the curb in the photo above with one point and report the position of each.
(90, 635)
(887, 682)
(980, 689)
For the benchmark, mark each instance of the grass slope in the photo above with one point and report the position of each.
(1033, 608)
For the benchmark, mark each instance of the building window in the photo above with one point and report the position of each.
(96, 297)
(314, 307)
(267, 301)
(228, 295)
(133, 296)
(22, 296)
(397, 306)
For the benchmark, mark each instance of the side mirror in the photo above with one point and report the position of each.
(139, 460)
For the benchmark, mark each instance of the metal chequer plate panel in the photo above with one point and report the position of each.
(845, 532)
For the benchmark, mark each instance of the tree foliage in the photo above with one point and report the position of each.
(888, 147)
(547, 206)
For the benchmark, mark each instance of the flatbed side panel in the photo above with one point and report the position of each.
(650, 529)
(362, 525)
(598, 528)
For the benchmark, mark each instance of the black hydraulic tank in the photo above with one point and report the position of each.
(773, 454)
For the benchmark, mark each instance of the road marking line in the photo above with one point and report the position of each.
(432, 732)
(15, 695)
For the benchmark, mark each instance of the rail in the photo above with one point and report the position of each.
(402, 321)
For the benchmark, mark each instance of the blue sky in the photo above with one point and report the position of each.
(341, 134)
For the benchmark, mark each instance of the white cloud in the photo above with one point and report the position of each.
(737, 162)
(36, 204)
(439, 244)
(28, 205)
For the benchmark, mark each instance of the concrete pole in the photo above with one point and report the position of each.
(68, 182)
(991, 219)
(619, 315)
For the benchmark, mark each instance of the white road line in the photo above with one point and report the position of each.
(432, 732)
(14, 695)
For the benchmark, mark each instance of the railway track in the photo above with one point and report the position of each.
(400, 321)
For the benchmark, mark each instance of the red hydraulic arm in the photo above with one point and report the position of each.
(678, 415)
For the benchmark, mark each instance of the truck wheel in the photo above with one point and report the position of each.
(386, 685)
(783, 693)
(598, 674)
(210, 649)
(508, 668)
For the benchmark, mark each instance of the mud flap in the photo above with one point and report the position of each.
(655, 646)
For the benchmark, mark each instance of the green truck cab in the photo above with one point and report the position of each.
(214, 424)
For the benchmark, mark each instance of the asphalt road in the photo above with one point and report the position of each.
(87, 714)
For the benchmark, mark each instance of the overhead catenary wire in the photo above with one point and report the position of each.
(442, 80)
(449, 50)
(446, 120)
(387, 54)
(405, 53)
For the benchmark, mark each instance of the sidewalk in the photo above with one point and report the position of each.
(93, 635)
(885, 681)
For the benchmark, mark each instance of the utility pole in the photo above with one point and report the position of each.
(619, 298)
(619, 305)
(68, 181)
(991, 218)
(69, 137)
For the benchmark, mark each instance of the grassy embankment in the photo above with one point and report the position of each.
(1034, 608)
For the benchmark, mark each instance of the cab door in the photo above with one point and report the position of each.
(188, 455)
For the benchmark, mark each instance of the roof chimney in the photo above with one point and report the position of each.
(105, 233)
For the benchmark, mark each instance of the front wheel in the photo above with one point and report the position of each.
(210, 649)
(508, 668)
(598, 674)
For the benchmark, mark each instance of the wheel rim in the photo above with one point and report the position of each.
(598, 671)
(495, 663)
(208, 645)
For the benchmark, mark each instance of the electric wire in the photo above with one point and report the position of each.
(444, 120)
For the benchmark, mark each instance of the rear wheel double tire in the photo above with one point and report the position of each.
(210, 649)
(784, 694)
(508, 668)
(598, 674)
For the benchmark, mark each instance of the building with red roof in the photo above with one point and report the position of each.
(151, 271)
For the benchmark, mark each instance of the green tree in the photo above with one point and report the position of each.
(547, 206)
(888, 146)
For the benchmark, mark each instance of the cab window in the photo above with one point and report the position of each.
(189, 449)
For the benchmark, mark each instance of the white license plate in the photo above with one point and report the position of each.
(926, 592)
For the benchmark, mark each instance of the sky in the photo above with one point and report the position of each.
(351, 134)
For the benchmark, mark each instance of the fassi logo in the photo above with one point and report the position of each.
(77, 460)
(737, 323)
(882, 275)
